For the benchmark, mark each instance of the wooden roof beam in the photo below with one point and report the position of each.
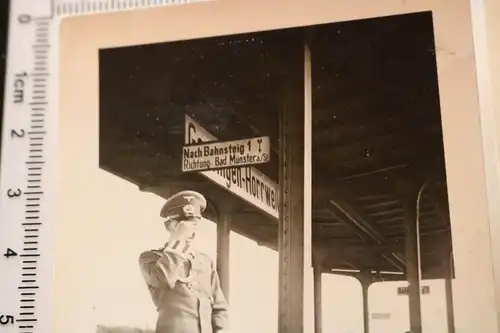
(360, 222)
(374, 275)
(357, 219)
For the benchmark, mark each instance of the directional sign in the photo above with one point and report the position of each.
(228, 154)
(424, 289)
(381, 316)
(245, 182)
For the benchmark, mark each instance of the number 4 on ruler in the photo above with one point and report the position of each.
(10, 253)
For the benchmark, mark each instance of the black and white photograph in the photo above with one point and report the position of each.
(262, 180)
(374, 95)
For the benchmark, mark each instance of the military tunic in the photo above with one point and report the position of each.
(186, 293)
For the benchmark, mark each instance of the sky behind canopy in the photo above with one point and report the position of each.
(254, 276)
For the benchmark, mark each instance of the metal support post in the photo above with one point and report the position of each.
(412, 263)
(223, 245)
(292, 251)
(365, 284)
(448, 289)
(366, 281)
(318, 303)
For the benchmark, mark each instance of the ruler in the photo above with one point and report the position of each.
(29, 143)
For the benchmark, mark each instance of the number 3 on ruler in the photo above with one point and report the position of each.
(12, 193)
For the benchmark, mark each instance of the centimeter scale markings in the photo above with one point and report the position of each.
(33, 193)
(26, 106)
(95, 6)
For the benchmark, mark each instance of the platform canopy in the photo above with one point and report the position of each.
(376, 139)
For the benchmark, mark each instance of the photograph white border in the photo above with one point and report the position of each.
(82, 37)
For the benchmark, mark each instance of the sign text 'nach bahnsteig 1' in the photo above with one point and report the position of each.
(246, 182)
(227, 154)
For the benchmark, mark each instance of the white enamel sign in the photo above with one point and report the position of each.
(216, 155)
(246, 182)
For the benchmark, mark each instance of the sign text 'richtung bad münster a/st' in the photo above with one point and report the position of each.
(216, 155)
(247, 182)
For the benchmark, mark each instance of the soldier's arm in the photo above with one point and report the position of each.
(220, 317)
(156, 268)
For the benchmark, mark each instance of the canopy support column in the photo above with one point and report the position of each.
(294, 232)
(318, 301)
(448, 289)
(365, 285)
(223, 246)
(412, 256)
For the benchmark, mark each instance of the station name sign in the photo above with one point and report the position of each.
(425, 290)
(215, 155)
(245, 182)
(381, 315)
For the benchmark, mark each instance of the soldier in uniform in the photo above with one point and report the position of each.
(183, 282)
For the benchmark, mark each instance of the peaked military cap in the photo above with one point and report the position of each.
(185, 204)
